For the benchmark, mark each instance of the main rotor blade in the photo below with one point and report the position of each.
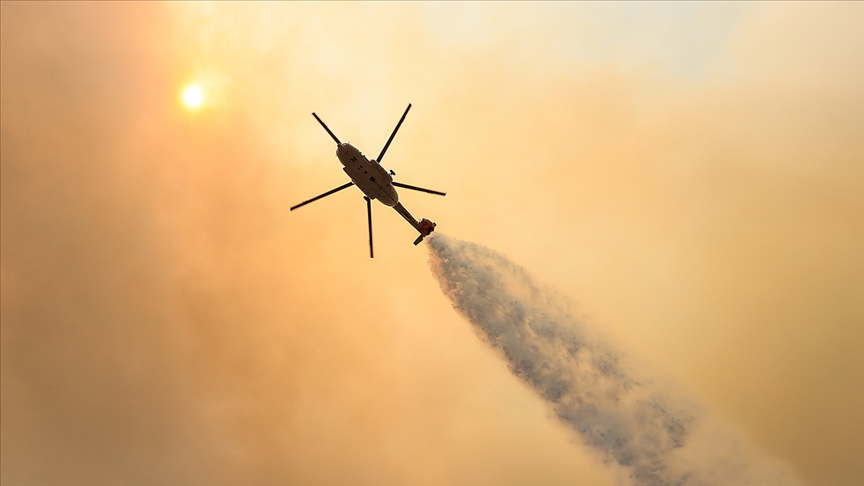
(325, 128)
(381, 156)
(415, 188)
(369, 214)
(323, 195)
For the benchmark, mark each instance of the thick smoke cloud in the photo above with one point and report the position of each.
(653, 434)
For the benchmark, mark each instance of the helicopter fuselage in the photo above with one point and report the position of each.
(368, 175)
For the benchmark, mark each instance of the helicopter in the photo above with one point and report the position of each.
(375, 182)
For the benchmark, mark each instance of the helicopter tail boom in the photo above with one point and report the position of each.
(424, 227)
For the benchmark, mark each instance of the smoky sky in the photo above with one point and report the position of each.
(691, 174)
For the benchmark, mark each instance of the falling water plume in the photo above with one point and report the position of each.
(651, 433)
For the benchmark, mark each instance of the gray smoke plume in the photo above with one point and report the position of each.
(654, 435)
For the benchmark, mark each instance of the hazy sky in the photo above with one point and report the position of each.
(691, 175)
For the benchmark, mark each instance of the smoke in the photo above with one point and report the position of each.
(652, 433)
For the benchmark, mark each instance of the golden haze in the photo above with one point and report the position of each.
(692, 175)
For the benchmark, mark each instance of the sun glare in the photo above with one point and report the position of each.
(193, 97)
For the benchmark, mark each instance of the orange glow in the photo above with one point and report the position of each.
(689, 173)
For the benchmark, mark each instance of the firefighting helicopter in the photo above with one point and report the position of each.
(375, 182)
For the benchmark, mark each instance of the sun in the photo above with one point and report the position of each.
(193, 97)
